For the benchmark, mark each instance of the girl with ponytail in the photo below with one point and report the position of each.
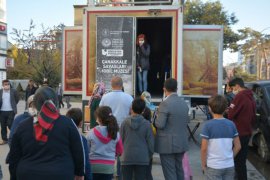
(105, 143)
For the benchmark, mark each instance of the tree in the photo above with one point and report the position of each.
(212, 13)
(238, 72)
(38, 57)
(257, 45)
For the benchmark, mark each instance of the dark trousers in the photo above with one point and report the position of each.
(6, 119)
(172, 166)
(99, 176)
(60, 100)
(240, 159)
(118, 168)
(149, 170)
(68, 101)
(137, 172)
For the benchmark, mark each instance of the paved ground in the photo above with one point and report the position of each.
(194, 155)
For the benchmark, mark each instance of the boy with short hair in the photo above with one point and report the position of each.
(220, 142)
(138, 141)
(76, 115)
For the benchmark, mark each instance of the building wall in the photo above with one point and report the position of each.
(3, 40)
(78, 14)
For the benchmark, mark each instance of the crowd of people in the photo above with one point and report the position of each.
(123, 132)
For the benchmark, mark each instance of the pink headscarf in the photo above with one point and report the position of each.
(98, 91)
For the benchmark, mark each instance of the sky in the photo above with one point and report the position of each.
(250, 13)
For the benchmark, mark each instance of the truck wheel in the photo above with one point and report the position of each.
(263, 150)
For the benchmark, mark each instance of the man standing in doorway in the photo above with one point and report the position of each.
(8, 108)
(120, 103)
(172, 136)
(242, 111)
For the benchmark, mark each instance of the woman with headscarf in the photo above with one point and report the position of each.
(142, 61)
(98, 91)
(46, 145)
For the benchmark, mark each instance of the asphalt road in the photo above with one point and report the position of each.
(262, 167)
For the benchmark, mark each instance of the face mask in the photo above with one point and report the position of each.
(32, 111)
(235, 92)
(6, 87)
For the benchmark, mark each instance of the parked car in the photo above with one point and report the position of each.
(261, 135)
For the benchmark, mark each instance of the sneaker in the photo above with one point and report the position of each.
(3, 142)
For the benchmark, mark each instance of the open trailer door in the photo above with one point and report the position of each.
(109, 42)
(109, 45)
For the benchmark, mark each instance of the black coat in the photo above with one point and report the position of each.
(60, 158)
(143, 53)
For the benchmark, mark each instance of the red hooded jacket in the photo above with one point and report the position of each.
(242, 112)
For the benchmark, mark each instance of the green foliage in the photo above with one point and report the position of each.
(238, 72)
(257, 45)
(37, 57)
(212, 13)
(253, 40)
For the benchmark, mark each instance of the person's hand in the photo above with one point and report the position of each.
(203, 169)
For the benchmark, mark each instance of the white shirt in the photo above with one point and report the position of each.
(120, 103)
(6, 104)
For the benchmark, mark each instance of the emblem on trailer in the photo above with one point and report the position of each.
(106, 42)
(105, 32)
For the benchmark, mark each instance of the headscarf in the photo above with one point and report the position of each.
(47, 113)
(45, 121)
(98, 91)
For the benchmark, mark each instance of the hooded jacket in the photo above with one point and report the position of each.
(138, 141)
(103, 149)
(242, 112)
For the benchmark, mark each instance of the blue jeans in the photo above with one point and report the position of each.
(220, 174)
(142, 80)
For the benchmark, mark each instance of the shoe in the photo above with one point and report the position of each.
(3, 142)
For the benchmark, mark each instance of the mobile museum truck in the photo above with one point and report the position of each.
(102, 44)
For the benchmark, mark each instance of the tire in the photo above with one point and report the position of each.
(263, 150)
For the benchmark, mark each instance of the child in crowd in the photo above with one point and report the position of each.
(220, 142)
(147, 116)
(105, 144)
(138, 141)
(76, 115)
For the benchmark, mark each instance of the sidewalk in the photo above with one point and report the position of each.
(194, 155)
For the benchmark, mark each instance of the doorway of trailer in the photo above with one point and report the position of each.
(158, 33)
